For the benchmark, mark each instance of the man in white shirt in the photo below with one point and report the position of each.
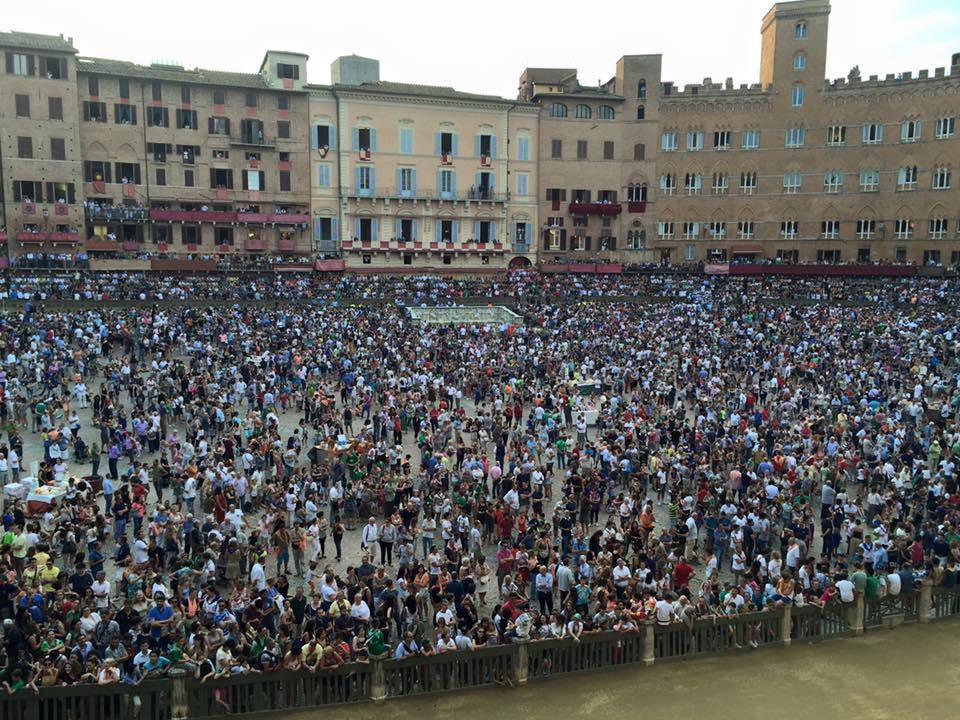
(664, 611)
(101, 590)
(335, 495)
(893, 584)
(360, 610)
(369, 534)
(258, 577)
(445, 612)
(845, 588)
(190, 492)
(544, 585)
(621, 576)
(565, 579)
(735, 599)
(234, 516)
(140, 551)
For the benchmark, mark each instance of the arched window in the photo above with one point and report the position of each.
(558, 110)
(642, 89)
(641, 112)
(941, 177)
(800, 61)
(605, 112)
(800, 30)
(796, 98)
(584, 112)
(637, 192)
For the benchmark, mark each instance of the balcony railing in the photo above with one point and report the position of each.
(117, 213)
(252, 141)
(288, 218)
(637, 206)
(158, 215)
(387, 193)
(273, 218)
(393, 244)
(102, 245)
(63, 238)
(595, 208)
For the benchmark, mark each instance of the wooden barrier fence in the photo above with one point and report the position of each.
(179, 698)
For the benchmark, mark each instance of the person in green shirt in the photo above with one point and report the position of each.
(174, 654)
(375, 641)
(19, 547)
(260, 641)
(51, 642)
(561, 452)
(872, 590)
(18, 682)
(859, 578)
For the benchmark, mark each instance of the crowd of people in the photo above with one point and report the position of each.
(244, 489)
(524, 286)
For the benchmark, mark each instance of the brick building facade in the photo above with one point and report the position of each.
(123, 160)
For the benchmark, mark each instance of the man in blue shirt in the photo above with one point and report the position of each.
(155, 665)
(107, 495)
(407, 647)
(160, 616)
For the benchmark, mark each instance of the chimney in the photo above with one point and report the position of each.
(354, 70)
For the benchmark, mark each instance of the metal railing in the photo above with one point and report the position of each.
(812, 623)
(945, 602)
(904, 607)
(252, 141)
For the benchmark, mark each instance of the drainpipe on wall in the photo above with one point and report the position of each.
(146, 155)
(340, 217)
(3, 205)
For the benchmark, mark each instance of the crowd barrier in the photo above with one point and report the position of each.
(183, 697)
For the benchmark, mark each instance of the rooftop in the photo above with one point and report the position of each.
(285, 52)
(35, 41)
(550, 76)
(171, 73)
(439, 92)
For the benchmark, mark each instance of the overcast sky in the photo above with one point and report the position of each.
(484, 47)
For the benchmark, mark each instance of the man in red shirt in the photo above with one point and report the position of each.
(682, 572)
(505, 558)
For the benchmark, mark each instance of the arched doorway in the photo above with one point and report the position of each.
(519, 263)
